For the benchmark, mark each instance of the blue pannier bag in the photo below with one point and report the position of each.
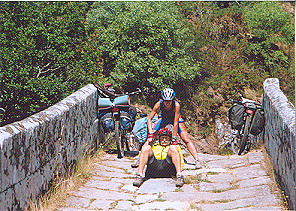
(126, 121)
(107, 122)
(141, 130)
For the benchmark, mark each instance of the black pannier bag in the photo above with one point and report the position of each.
(236, 116)
(258, 122)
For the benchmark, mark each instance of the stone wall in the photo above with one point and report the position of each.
(279, 136)
(48, 143)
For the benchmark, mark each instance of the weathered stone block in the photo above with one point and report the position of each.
(35, 149)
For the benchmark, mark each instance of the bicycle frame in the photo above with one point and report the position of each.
(116, 103)
(243, 135)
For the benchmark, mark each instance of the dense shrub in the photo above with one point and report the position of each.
(39, 54)
(142, 44)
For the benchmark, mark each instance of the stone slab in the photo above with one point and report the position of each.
(207, 186)
(221, 178)
(146, 198)
(269, 200)
(78, 202)
(157, 185)
(163, 205)
(105, 185)
(249, 172)
(124, 205)
(100, 204)
(254, 182)
(129, 188)
(93, 193)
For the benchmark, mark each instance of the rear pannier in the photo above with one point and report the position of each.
(107, 122)
(236, 116)
(126, 121)
(258, 122)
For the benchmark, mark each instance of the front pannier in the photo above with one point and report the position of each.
(258, 122)
(236, 116)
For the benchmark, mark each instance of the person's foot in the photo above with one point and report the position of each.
(135, 164)
(197, 165)
(139, 181)
(179, 181)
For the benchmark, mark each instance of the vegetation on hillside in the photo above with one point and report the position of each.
(40, 57)
(207, 51)
(142, 44)
(240, 45)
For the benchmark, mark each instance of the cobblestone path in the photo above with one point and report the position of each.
(224, 183)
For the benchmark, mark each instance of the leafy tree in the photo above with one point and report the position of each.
(269, 24)
(142, 44)
(39, 55)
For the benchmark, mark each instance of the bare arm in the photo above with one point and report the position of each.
(155, 109)
(176, 119)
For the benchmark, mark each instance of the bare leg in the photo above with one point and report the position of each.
(189, 144)
(145, 153)
(173, 152)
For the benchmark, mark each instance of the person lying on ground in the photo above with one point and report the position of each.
(163, 158)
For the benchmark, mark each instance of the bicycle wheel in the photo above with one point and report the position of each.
(101, 136)
(244, 139)
(120, 149)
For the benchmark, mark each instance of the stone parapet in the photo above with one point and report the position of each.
(279, 136)
(49, 143)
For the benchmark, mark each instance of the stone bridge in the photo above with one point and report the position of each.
(36, 149)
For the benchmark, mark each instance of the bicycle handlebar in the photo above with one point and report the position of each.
(246, 101)
(109, 94)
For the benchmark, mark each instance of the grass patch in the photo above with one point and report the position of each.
(212, 173)
(178, 190)
(226, 189)
(113, 204)
(225, 151)
(62, 186)
(194, 179)
(194, 207)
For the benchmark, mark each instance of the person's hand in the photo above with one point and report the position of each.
(151, 138)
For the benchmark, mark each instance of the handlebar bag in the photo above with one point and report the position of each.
(258, 122)
(236, 116)
(107, 122)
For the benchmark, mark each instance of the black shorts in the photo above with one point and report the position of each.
(160, 168)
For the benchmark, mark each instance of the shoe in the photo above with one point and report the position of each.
(135, 164)
(179, 181)
(197, 165)
(139, 181)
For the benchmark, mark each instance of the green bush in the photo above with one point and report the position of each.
(39, 55)
(142, 44)
(269, 24)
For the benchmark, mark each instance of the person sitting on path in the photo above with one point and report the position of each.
(163, 158)
(170, 114)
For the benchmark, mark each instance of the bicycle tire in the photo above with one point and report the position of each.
(101, 134)
(245, 136)
(118, 141)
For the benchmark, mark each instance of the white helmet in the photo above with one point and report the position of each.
(168, 94)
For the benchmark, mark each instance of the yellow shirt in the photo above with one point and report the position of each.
(161, 152)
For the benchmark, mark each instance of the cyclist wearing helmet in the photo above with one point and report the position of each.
(163, 159)
(170, 114)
